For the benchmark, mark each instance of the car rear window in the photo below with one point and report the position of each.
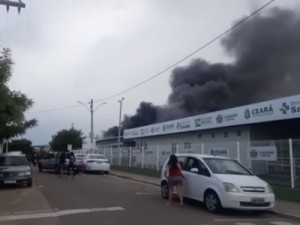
(13, 161)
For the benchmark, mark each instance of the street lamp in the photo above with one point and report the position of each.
(120, 115)
(91, 110)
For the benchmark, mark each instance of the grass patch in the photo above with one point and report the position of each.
(287, 194)
(136, 170)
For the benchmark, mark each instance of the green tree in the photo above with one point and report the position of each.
(13, 104)
(63, 138)
(23, 145)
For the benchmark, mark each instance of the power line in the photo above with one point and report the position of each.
(55, 109)
(176, 63)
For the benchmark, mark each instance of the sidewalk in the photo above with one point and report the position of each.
(282, 208)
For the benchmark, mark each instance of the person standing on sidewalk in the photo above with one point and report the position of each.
(175, 178)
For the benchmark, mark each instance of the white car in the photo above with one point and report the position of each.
(96, 163)
(221, 182)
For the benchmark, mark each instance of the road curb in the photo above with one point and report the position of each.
(288, 216)
(134, 178)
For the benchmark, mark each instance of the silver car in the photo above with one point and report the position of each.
(96, 163)
(15, 169)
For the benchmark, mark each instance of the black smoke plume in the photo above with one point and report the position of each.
(266, 65)
(111, 132)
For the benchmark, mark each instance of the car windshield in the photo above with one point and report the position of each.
(226, 166)
(13, 161)
(97, 157)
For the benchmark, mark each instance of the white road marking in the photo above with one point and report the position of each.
(40, 186)
(159, 224)
(57, 213)
(146, 193)
(244, 220)
(245, 223)
(280, 223)
(37, 211)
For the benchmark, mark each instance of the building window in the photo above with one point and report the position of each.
(238, 133)
(213, 135)
(187, 145)
(174, 148)
(145, 145)
(225, 134)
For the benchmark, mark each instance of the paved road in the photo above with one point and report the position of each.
(109, 200)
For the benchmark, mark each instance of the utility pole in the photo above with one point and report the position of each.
(91, 110)
(120, 117)
(92, 120)
(9, 3)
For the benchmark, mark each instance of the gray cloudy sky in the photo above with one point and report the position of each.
(72, 50)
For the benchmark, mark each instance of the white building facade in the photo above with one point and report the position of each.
(232, 132)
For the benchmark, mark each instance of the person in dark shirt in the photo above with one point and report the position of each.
(71, 164)
(62, 162)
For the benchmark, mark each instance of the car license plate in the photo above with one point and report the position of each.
(258, 200)
(9, 181)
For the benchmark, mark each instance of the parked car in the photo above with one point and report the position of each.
(96, 163)
(15, 169)
(51, 162)
(79, 160)
(221, 182)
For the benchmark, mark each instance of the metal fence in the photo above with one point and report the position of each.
(284, 170)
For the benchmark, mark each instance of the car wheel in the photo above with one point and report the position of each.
(106, 172)
(40, 167)
(164, 190)
(212, 202)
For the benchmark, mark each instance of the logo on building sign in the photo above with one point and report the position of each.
(198, 122)
(183, 125)
(155, 129)
(144, 131)
(218, 152)
(219, 119)
(293, 107)
(247, 114)
(203, 121)
(134, 133)
(253, 154)
(284, 108)
(127, 133)
(230, 117)
(256, 112)
(168, 127)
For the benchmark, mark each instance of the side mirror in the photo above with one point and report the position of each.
(194, 170)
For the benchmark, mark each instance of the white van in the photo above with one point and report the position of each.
(220, 182)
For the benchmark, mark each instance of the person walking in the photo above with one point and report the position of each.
(71, 164)
(175, 178)
(62, 162)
